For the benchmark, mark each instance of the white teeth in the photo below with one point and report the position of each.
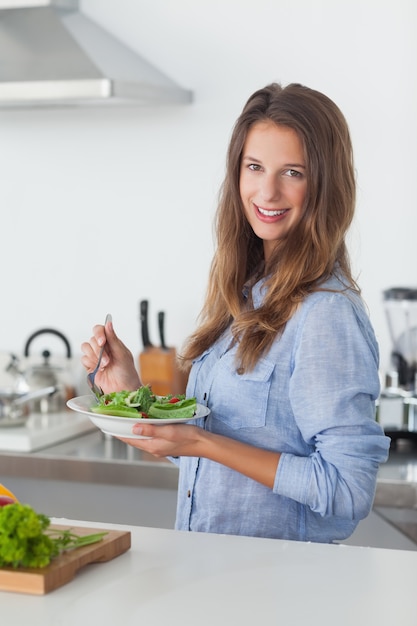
(270, 213)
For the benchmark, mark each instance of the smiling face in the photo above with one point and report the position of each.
(273, 181)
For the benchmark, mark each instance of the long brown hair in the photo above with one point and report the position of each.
(310, 252)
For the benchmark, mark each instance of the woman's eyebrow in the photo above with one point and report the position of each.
(298, 165)
(247, 157)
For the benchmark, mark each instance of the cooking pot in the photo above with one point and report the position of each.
(15, 406)
(48, 374)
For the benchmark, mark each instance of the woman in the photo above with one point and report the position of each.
(285, 356)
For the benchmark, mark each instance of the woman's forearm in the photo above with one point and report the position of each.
(256, 463)
(187, 440)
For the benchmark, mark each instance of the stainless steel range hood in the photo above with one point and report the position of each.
(53, 55)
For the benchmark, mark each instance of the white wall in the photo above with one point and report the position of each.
(104, 207)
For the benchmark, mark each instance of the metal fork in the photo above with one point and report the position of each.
(97, 391)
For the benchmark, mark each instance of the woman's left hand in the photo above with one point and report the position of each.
(168, 439)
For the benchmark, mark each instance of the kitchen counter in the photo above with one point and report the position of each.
(178, 578)
(93, 457)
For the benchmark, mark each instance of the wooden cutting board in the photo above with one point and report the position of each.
(63, 569)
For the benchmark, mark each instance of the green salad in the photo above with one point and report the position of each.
(143, 403)
(27, 540)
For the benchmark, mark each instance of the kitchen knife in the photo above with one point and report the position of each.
(161, 327)
(143, 311)
(158, 366)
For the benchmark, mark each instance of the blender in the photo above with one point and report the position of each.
(401, 312)
(401, 389)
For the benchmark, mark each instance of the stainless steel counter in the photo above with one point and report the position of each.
(95, 458)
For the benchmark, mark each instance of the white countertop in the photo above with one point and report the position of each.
(43, 430)
(177, 578)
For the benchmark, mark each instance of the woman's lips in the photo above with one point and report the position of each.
(270, 214)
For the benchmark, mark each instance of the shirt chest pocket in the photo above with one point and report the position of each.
(241, 400)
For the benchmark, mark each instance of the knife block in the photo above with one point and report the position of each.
(158, 367)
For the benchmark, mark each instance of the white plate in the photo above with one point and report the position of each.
(122, 426)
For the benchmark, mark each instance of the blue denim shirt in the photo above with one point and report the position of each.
(312, 398)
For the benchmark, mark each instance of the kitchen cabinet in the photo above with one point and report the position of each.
(377, 531)
(119, 504)
(156, 508)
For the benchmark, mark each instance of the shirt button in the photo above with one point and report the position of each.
(188, 494)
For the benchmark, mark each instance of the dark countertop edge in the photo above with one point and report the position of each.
(396, 493)
(152, 475)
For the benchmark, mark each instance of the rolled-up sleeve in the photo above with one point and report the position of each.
(333, 387)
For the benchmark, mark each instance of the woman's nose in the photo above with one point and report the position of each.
(270, 188)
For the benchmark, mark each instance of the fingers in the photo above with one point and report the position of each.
(149, 442)
(117, 369)
(89, 354)
(164, 440)
(116, 349)
(99, 337)
(91, 349)
(147, 430)
(109, 329)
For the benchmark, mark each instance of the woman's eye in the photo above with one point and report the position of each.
(254, 167)
(293, 173)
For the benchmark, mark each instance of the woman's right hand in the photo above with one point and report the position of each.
(117, 371)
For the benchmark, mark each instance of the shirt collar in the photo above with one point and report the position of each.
(255, 290)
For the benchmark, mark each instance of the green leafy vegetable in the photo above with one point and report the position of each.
(143, 403)
(27, 541)
(126, 403)
(118, 411)
(180, 409)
